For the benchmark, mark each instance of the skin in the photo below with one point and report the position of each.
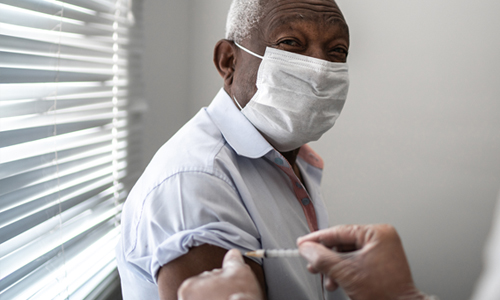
(208, 285)
(196, 261)
(314, 28)
(369, 263)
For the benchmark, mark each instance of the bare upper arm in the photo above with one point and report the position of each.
(196, 261)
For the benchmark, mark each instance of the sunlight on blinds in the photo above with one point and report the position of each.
(70, 121)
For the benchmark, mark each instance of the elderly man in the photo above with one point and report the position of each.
(239, 174)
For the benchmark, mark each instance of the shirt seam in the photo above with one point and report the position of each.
(208, 171)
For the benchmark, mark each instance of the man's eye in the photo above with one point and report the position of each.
(340, 50)
(289, 43)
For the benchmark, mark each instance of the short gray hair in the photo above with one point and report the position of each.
(243, 16)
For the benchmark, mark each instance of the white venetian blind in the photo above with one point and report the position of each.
(70, 106)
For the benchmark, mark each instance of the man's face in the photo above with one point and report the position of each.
(314, 28)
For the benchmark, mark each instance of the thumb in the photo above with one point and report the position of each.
(241, 296)
(233, 258)
(319, 257)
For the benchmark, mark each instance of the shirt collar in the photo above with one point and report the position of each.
(240, 134)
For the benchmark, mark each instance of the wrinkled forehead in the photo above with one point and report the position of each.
(269, 6)
(277, 13)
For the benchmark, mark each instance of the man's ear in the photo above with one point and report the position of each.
(225, 60)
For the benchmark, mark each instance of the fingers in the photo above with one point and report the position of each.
(188, 289)
(376, 269)
(330, 284)
(334, 236)
(320, 258)
(350, 237)
(241, 296)
(233, 258)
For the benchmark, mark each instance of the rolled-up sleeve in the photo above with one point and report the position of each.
(186, 210)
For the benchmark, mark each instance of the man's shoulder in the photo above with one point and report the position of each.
(198, 146)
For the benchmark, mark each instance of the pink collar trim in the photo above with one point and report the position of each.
(311, 157)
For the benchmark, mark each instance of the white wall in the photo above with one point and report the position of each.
(208, 27)
(166, 70)
(418, 144)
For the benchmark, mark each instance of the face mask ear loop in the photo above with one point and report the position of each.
(248, 51)
(237, 103)
(251, 53)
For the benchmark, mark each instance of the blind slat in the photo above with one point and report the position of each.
(51, 223)
(59, 91)
(69, 86)
(46, 160)
(50, 192)
(57, 37)
(53, 60)
(52, 207)
(69, 199)
(63, 142)
(50, 6)
(85, 290)
(29, 107)
(29, 121)
(40, 76)
(22, 13)
(41, 176)
(37, 277)
(23, 45)
(69, 230)
(70, 71)
(16, 55)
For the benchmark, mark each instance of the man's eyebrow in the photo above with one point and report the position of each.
(333, 19)
(277, 22)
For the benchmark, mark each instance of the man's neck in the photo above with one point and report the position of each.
(291, 156)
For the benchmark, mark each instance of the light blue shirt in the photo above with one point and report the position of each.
(218, 181)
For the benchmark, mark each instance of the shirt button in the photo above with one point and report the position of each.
(278, 161)
(297, 184)
(306, 201)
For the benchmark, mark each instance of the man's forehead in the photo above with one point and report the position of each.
(271, 7)
(279, 12)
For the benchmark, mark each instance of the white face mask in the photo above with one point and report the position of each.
(298, 98)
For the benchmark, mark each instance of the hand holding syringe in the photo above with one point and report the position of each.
(368, 262)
